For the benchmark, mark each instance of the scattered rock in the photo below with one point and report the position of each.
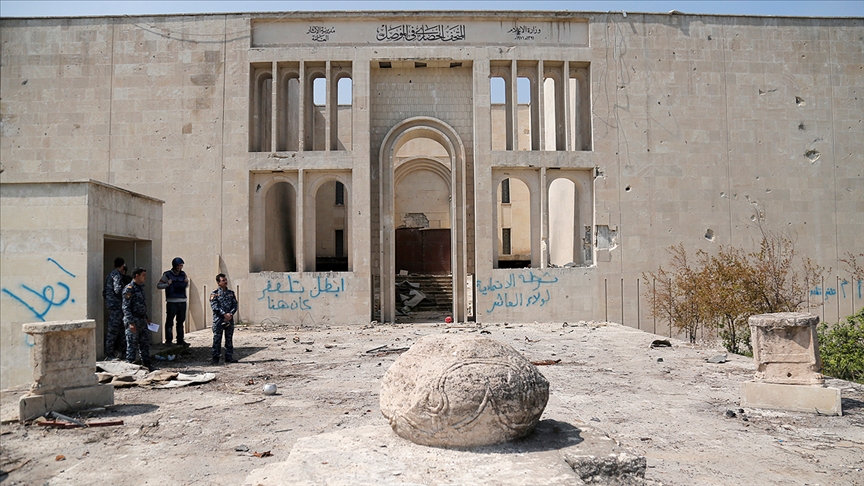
(614, 469)
(661, 343)
(719, 359)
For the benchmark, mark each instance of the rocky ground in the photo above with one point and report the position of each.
(667, 404)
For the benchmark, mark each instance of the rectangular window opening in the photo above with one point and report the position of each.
(340, 194)
(340, 243)
(505, 241)
(505, 191)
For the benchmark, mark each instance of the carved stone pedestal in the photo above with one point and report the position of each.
(788, 366)
(63, 359)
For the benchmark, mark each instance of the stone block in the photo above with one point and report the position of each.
(793, 398)
(63, 355)
(63, 360)
(786, 349)
(32, 405)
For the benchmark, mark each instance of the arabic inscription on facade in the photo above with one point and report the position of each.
(320, 33)
(524, 32)
(420, 33)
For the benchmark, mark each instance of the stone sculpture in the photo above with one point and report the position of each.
(786, 349)
(788, 366)
(462, 391)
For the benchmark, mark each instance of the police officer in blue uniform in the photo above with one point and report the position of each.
(113, 293)
(224, 305)
(135, 318)
(174, 283)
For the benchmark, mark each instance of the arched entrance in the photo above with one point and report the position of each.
(454, 154)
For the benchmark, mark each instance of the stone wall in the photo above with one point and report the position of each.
(697, 121)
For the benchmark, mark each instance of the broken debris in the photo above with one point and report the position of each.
(661, 343)
(546, 362)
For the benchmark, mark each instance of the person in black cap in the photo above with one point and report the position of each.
(174, 282)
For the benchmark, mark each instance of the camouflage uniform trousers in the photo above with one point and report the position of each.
(114, 332)
(218, 328)
(138, 341)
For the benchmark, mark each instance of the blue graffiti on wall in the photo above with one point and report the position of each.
(291, 294)
(856, 291)
(518, 290)
(41, 302)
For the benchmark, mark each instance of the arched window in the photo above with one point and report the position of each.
(499, 113)
(260, 108)
(288, 108)
(342, 121)
(525, 113)
(565, 238)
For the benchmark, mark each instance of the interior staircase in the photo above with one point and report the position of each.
(438, 290)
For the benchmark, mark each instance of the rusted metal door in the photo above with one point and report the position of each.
(423, 251)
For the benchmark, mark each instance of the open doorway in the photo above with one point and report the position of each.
(423, 222)
(331, 224)
(136, 253)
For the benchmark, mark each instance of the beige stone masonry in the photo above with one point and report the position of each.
(786, 349)
(63, 359)
(788, 366)
(792, 398)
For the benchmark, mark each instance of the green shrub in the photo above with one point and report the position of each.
(842, 348)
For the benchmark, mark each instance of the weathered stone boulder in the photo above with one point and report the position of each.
(453, 390)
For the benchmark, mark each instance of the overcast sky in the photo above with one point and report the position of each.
(812, 8)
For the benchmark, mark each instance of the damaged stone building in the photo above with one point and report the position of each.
(530, 164)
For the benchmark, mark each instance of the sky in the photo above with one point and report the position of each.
(68, 8)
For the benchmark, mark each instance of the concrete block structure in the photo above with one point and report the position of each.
(542, 161)
(58, 242)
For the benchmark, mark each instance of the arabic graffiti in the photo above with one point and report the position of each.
(41, 302)
(420, 33)
(856, 290)
(523, 32)
(291, 294)
(320, 33)
(522, 291)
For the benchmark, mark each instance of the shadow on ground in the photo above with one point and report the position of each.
(852, 404)
(549, 435)
(129, 409)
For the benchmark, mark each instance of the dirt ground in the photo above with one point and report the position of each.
(667, 404)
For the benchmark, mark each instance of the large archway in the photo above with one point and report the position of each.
(423, 218)
(442, 133)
